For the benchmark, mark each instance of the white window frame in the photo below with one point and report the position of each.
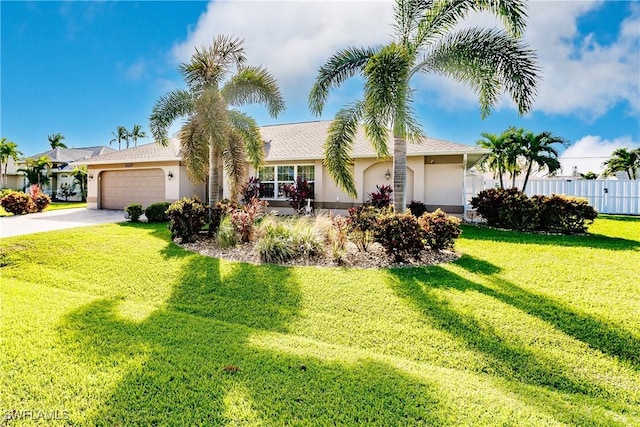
(276, 182)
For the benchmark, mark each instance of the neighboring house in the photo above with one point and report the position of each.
(63, 162)
(150, 173)
(15, 179)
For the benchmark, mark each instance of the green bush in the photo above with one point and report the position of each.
(275, 244)
(401, 236)
(564, 214)
(17, 203)
(362, 222)
(417, 208)
(226, 236)
(509, 208)
(157, 212)
(440, 229)
(186, 218)
(306, 241)
(133, 212)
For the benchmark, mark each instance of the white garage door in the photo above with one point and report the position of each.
(121, 188)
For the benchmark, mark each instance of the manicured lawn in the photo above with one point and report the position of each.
(53, 207)
(116, 325)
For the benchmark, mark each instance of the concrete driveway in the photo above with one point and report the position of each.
(18, 225)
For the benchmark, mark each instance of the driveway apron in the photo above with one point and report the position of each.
(18, 225)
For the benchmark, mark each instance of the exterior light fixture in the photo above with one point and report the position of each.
(90, 176)
(387, 174)
(170, 175)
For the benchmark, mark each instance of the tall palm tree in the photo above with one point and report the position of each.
(426, 41)
(215, 136)
(8, 150)
(537, 150)
(136, 133)
(623, 160)
(121, 134)
(56, 141)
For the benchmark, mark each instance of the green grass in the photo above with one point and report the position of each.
(116, 325)
(54, 206)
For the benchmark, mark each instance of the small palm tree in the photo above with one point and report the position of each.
(121, 134)
(426, 41)
(497, 160)
(537, 150)
(80, 174)
(623, 160)
(56, 141)
(136, 133)
(8, 150)
(35, 170)
(214, 136)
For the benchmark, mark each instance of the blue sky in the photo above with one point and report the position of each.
(83, 68)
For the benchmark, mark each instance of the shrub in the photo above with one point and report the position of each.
(251, 190)
(564, 214)
(226, 236)
(218, 212)
(40, 200)
(337, 238)
(509, 208)
(440, 229)
(306, 241)
(244, 219)
(186, 218)
(380, 198)
(417, 208)
(274, 246)
(17, 203)
(298, 194)
(401, 236)
(157, 212)
(361, 225)
(67, 190)
(133, 212)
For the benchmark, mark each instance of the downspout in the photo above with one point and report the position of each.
(464, 186)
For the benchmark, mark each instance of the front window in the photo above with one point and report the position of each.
(276, 177)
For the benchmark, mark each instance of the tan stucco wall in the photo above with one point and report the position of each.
(175, 188)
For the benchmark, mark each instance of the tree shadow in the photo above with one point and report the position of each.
(179, 363)
(596, 241)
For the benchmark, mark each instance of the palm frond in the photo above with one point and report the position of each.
(234, 162)
(489, 60)
(341, 66)
(209, 65)
(339, 146)
(194, 150)
(166, 110)
(247, 128)
(443, 15)
(407, 14)
(254, 85)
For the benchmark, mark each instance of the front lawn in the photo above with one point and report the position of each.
(116, 325)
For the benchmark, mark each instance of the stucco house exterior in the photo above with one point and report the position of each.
(436, 171)
(63, 161)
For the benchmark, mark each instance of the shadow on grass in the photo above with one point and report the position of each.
(179, 354)
(414, 284)
(596, 241)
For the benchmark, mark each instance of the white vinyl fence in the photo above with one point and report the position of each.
(606, 196)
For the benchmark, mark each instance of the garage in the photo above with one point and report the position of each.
(124, 187)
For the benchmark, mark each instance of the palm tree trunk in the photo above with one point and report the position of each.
(213, 174)
(526, 177)
(399, 174)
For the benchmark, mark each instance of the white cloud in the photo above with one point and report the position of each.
(135, 71)
(588, 153)
(292, 39)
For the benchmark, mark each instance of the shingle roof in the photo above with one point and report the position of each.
(297, 141)
(67, 155)
(143, 153)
